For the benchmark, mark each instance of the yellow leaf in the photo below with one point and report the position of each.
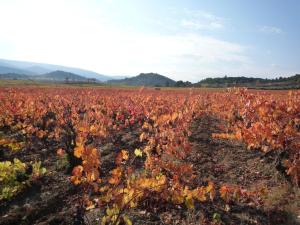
(127, 220)
(109, 212)
(211, 190)
(103, 220)
(189, 202)
(138, 152)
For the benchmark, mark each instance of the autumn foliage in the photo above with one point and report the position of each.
(81, 121)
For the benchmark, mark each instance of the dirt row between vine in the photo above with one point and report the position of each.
(230, 162)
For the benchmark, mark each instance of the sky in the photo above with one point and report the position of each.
(184, 40)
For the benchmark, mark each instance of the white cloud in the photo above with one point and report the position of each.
(201, 20)
(270, 30)
(197, 25)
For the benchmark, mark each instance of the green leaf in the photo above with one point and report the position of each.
(43, 170)
(217, 217)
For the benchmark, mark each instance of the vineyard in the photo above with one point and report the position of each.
(149, 156)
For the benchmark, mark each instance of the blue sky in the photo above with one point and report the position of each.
(185, 40)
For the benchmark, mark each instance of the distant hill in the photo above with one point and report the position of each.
(32, 68)
(60, 76)
(277, 83)
(145, 79)
(14, 76)
(55, 76)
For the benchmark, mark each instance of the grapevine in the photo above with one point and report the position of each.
(155, 169)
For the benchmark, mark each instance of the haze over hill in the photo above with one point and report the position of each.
(55, 76)
(33, 68)
(59, 75)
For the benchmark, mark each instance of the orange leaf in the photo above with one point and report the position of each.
(123, 155)
(78, 151)
(116, 176)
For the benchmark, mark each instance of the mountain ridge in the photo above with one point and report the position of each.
(54, 76)
(60, 75)
(145, 79)
(34, 68)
